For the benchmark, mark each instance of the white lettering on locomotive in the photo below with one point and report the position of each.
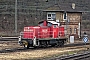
(44, 30)
(28, 30)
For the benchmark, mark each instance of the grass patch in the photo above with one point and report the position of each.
(56, 55)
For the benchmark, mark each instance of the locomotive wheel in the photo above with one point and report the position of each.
(26, 45)
(57, 44)
(53, 45)
(60, 43)
(44, 43)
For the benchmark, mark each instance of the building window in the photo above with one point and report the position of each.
(65, 16)
(51, 16)
(70, 30)
(75, 29)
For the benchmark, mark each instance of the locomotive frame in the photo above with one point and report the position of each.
(42, 42)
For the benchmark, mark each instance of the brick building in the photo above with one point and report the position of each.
(69, 16)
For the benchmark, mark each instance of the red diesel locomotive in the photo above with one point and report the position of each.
(45, 34)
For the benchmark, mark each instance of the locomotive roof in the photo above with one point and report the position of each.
(52, 22)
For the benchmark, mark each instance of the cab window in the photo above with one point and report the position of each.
(49, 24)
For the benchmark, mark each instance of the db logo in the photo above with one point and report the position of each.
(44, 30)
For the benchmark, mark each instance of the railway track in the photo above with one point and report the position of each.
(83, 56)
(70, 57)
(8, 38)
(7, 50)
(19, 49)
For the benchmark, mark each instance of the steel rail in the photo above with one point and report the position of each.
(73, 57)
(9, 37)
